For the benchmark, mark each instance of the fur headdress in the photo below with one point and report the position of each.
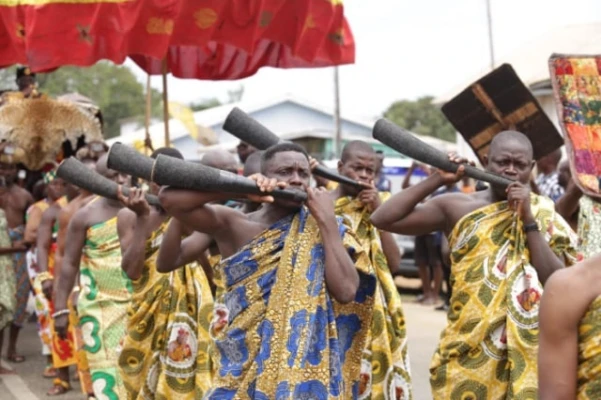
(39, 127)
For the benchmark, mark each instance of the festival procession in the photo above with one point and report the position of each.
(153, 246)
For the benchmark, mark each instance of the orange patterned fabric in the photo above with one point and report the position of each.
(203, 39)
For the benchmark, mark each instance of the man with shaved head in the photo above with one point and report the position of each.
(386, 351)
(220, 159)
(504, 242)
(93, 241)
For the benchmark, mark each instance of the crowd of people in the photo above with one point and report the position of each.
(217, 295)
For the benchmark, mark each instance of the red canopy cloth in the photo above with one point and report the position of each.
(204, 39)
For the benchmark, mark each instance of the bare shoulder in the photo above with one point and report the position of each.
(126, 214)
(456, 205)
(228, 212)
(575, 287)
(22, 196)
(79, 218)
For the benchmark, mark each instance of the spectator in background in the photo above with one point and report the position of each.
(547, 180)
(382, 183)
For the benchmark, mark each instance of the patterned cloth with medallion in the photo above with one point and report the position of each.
(385, 369)
(277, 331)
(166, 351)
(489, 347)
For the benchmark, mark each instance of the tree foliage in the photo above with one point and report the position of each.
(114, 88)
(204, 104)
(422, 117)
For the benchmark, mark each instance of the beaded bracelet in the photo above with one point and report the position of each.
(60, 313)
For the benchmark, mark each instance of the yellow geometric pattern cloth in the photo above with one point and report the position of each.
(589, 353)
(277, 331)
(166, 351)
(385, 369)
(489, 347)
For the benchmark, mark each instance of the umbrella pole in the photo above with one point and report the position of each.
(147, 142)
(165, 103)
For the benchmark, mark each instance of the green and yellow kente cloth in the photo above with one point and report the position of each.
(8, 300)
(589, 353)
(102, 307)
(385, 372)
(166, 351)
(278, 333)
(489, 347)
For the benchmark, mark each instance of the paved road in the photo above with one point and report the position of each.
(423, 324)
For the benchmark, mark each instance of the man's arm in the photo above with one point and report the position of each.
(44, 239)
(391, 251)
(567, 204)
(407, 180)
(175, 252)
(370, 197)
(402, 213)
(34, 218)
(342, 278)
(63, 223)
(560, 312)
(542, 257)
(76, 237)
(193, 207)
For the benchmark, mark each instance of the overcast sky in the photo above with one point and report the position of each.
(404, 49)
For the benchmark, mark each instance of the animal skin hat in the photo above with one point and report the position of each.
(39, 127)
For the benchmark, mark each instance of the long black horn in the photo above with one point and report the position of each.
(127, 160)
(249, 130)
(181, 174)
(406, 143)
(76, 173)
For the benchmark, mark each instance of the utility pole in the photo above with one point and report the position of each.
(337, 129)
(490, 36)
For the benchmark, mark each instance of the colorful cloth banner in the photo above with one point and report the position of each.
(577, 87)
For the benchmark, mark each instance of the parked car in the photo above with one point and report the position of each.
(407, 245)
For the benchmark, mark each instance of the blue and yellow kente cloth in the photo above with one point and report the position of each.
(489, 348)
(385, 372)
(278, 333)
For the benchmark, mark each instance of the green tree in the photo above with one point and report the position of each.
(7, 78)
(205, 104)
(422, 117)
(114, 88)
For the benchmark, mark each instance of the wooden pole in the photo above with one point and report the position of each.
(147, 142)
(490, 36)
(338, 130)
(165, 104)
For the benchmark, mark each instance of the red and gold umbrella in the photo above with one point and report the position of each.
(203, 39)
